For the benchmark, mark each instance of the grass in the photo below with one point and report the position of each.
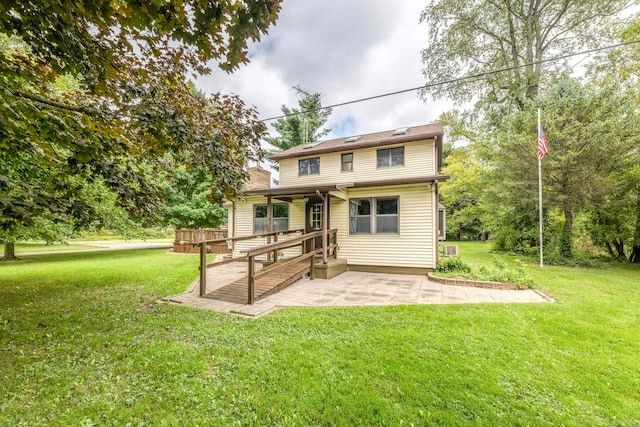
(82, 342)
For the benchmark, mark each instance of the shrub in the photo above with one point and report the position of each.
(456, 266)
(574, 261)
(453, 265)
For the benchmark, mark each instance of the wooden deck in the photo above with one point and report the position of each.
(278, 279)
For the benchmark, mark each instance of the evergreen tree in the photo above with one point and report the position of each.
(301, 125)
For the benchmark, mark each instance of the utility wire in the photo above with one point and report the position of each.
(456, 80)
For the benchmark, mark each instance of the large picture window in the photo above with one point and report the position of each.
(390, 157)
(280, 218)
(309, 166)
(374, 216)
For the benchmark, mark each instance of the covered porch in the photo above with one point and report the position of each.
(271, 257)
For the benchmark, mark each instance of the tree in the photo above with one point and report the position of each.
(45, 203)
(186, 202)
(96, 89)
(131, 65)
(481, 36)
(463, 193)
(593, 132)
(301, 125)
(615, 223)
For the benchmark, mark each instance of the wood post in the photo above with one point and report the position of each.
(203, 269)
(325, 219)
(312, 269)
(251, 280)
(275, 251)
(269, 223)
(335, 242)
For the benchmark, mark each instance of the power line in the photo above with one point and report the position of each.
(456, 80)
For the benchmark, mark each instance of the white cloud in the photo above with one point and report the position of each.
(346, 51)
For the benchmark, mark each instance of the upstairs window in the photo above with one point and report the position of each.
(309, 166)
(280, 218)
(347, 162)
(391, 157)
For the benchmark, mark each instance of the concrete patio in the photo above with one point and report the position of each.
(353, 289)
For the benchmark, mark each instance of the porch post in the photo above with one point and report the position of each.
(325, 218)
(269, 223)
(251, 280)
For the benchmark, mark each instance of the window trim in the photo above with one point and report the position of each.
(373, 216)
(389, 157)
(342, 162)
(308, 169)
(355, 233)
(256, 205)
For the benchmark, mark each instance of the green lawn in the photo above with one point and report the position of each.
(82, 342)
(24, 247)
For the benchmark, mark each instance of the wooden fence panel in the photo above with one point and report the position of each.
(184, 237)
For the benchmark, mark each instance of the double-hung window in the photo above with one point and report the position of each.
(309, 166)
(386, 215)
(375, 215)
(280, 218)
(347, 162)
(360, 216)
(390, 157)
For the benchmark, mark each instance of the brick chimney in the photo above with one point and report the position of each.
(259, 178)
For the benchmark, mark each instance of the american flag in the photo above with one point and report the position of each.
(543, 146)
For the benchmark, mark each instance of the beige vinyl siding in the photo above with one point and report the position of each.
(412, 247)
(418, 161)
(244, 224)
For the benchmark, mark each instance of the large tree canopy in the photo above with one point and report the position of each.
(130, 61)
(479, 36)
(99, 90)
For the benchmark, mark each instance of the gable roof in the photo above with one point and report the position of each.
(378, 139)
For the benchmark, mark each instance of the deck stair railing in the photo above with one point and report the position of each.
(252, 275)
(270, 249)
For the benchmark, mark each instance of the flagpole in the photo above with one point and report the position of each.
(540, 194)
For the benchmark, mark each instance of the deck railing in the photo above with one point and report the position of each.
(252, 275)
(271, 249)
(230, 242)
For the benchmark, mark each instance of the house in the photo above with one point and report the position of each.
(380, 191)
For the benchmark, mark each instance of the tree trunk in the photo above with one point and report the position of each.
(619, 245)
(9, 252)
(612, 254)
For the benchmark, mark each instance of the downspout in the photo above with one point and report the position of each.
(325, 217)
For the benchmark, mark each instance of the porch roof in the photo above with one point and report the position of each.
(300, 191)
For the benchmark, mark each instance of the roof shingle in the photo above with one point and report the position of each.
(416, 133)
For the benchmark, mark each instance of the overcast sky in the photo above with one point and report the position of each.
(345, 50)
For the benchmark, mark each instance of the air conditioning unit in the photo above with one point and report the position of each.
(450, 250)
